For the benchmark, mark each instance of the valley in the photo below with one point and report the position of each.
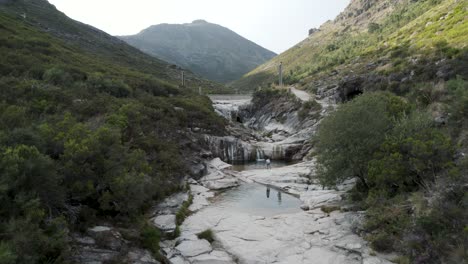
(189, 144)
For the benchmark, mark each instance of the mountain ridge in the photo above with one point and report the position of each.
(208, 49)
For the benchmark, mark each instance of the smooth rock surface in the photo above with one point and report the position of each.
(193, 248)
(166, 223)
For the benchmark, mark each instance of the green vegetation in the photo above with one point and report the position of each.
(329, 209)
(389, 39)
(409, 181)
(207, 235)
(310, 107)
(150, 238)
(207, 49)
(184, 211)
(82, 129)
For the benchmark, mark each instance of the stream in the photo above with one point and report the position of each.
(259, 215)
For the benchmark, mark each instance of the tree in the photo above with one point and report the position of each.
(349, 137)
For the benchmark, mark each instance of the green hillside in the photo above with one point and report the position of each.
(378, 38)
(208, 49)
(90, 128)
(398, 71)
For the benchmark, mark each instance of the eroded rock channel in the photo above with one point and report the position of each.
(260, 215)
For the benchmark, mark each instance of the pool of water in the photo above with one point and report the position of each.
(257, 199)
(260, 164)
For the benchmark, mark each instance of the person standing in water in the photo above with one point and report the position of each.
(268, 163)
(268, 192)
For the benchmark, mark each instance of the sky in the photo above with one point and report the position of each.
(274, 24)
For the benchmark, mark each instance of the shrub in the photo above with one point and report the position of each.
(57, 76)
(373, 27)
(348, 138)
(307, 107)
(207, 235)
(113, 87)
(150, 238)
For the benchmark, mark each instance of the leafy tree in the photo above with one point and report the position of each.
(349, 137)
(411, 156)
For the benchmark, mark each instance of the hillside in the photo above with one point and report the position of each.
(91, 131)
(98, 44)
(394, 77)
(379, 43)
(207, 49)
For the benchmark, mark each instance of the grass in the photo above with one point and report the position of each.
(207, 235)
(330, 208)
(418, 25)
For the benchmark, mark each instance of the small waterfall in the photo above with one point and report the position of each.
(278, 152)
(259, 154)
(230, 149)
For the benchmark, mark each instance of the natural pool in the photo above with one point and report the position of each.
(257, 165)
(257, 199)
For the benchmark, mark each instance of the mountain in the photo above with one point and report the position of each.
(92, 130)
(377, 43)
(207, 49)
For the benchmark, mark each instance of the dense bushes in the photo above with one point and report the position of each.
(85, 137)
(349, 137)
(413, 188)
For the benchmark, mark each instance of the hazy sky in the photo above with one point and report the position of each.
(274, 24)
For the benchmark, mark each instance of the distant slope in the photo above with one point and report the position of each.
(95, 42)
(207, 49)
(381, 38)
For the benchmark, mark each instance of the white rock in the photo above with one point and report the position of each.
(215, 257)
(178, 260)
(165, 222)
(98, 229)
(194, 248)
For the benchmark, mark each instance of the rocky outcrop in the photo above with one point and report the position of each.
(220, 176)
(105, 244)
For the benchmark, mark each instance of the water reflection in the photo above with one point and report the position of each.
(255, 199)
(260, 164)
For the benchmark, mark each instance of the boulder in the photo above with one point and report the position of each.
(193, 248)
(166, 223)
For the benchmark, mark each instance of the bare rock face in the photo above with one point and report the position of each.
(219, 176)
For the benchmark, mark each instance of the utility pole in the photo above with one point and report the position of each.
(183, 79)
(280, 70)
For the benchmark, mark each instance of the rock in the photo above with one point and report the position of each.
(94, 256)
(98, 229)
(166, 223)
(178, 260)
(139, 256)
(194, 248)
(305, 207)
(106, 237)
(215, 257)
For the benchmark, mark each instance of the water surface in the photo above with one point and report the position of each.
(257, 199)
